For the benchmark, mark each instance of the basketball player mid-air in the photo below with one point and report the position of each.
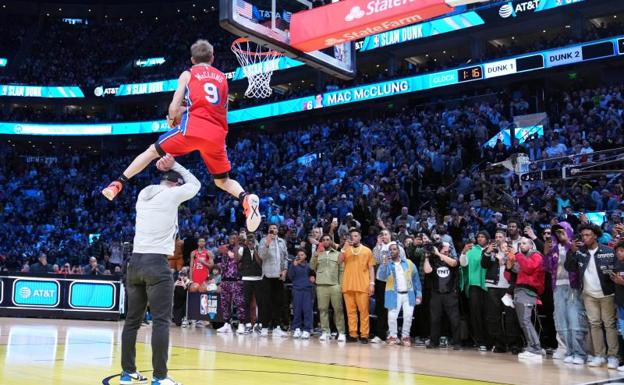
(200, 125)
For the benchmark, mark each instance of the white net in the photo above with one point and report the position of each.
(258, 64)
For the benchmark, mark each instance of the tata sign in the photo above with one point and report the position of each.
(349, 20)
(36, 293)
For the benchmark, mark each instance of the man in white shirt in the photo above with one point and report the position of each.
(594, 263)
(148, 278)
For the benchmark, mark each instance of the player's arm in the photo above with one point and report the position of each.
(175, 108)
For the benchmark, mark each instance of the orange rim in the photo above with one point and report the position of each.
(236, 48)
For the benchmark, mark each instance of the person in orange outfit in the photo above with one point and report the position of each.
(358, 284)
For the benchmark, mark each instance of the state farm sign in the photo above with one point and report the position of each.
(349, 20)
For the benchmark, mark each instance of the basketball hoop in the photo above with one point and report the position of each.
(258, 64)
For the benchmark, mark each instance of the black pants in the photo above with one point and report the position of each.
(478, 298)
(148, 280)
(251, 288)
(444, 303)
(422, 315)
(272, 295)
(381, 313)
(179, 304)
(509, 336)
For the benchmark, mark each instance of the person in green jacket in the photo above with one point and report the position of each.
(329, 269)
(473, 284)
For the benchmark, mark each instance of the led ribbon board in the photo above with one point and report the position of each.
(600, 49)
(40, 92)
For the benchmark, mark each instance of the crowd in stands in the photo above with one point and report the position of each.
(412, 183)
(91, 63)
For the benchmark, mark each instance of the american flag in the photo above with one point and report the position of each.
(244, 9)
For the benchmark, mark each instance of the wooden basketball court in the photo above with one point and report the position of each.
(63, 352)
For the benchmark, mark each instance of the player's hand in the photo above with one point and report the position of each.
(173, 121)
(165, 163)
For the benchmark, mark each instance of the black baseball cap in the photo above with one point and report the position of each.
(173, 176)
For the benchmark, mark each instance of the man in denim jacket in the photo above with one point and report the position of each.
(403, 291)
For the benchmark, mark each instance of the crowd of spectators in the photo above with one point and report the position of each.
(91, 62)
(413, 177)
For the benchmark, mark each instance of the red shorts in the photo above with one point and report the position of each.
(214, 154)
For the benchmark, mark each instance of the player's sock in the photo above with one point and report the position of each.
(241, 196)
(123, 179)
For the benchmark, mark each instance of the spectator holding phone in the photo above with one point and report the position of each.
(594, 263)
(571, 328)
(528, 264)
(403, 291)
(273, 253)
(473, 284)
(301, 276)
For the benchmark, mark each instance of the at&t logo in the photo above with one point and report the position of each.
(25, 292)
(508, 9)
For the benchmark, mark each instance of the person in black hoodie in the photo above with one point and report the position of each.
(251, 271)
(618, 278)
(594, 263)
(493, 259)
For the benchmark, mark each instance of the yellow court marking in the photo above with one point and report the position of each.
(96, 361)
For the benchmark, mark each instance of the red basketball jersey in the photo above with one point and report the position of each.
(200, 272)
(207, 102)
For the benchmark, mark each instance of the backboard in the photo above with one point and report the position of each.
(267, 22)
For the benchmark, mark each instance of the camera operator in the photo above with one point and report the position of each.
(442, 268)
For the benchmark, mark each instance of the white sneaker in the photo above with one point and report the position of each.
(225, 328)
(165, 381)
(240, 329)
(278, 332)
(296, 334)
(305, 335)
(559, 355)
(185, 324)
(508, 301)
(251, 208)
(324, 337)
(132, 378)
(597, 362)
(199, 324)
(376, 340)
(264, 332)
(342, 337)
(567, 360)
(579, 361)
(613, 362)
(528, 356)
(620, 368)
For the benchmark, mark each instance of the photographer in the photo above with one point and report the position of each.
(181, 286)
(273, 253)
(441, 267)
(594, 263)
